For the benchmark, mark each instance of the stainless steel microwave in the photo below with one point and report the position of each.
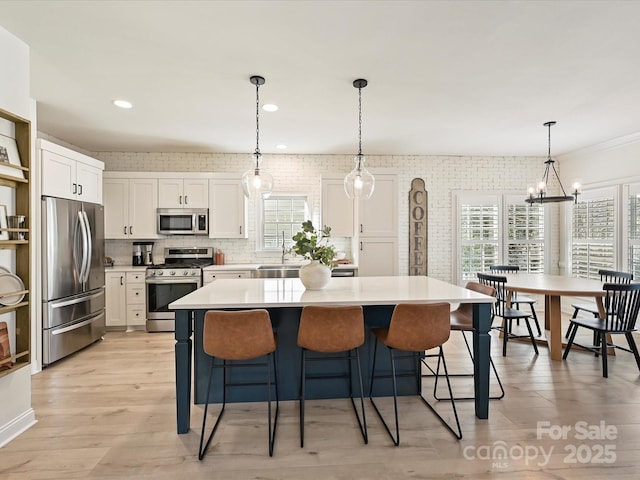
(183, 221)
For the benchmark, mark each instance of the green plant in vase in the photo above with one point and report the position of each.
(314, 245)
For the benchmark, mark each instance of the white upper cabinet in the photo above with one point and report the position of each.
(378, 216)
(337, 208)
(69, 174)
(227, 209)
(130, 207)
(183, 193)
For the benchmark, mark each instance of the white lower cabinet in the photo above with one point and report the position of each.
(378, 257)
(126, 300)
(136, 301)
(115, 300)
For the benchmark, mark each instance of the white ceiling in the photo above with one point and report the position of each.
(445, 77)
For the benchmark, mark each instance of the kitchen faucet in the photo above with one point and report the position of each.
(283, 248)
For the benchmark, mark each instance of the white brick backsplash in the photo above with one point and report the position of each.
(302, 173)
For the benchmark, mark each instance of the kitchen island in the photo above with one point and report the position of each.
(284, 299)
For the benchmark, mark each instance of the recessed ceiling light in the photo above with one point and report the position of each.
(281, 146)
(122, 104)
(270, 107)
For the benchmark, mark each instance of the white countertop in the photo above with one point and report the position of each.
(289, 292)
(254, 266)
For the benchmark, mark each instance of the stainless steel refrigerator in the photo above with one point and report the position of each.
(73, 313)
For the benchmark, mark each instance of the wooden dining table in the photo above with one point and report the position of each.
(553, 287)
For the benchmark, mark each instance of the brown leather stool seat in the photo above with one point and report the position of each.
(327, 331)
(414, 328)
(239, 336)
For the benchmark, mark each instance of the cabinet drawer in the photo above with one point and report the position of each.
(209, 277)
(135, 295)
(135, 277)
(136, 316)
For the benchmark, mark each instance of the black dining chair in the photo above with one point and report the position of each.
(622, 302)
(516, 298)
(606, 276)
(508, 314)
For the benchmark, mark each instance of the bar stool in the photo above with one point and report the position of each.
(414, 328)
(331, 330)
(239, 336)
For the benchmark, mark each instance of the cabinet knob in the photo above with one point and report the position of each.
(360, 246)
(186, 200)
(180, 199)
(360, 228)
(79, 189)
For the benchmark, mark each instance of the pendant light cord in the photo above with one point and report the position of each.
(549, 124)
(359, 124)
(257, 152)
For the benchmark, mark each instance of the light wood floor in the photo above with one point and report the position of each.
(108, 412)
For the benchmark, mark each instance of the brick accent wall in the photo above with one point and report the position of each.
(302, 173)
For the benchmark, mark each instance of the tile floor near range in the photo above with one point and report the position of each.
(108, 412)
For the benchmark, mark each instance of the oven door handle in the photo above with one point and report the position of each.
(156, 281)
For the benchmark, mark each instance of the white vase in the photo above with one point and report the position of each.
(315, 275)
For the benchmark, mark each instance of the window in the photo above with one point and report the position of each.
(282, 217)
(593, 233)
(525, 236)
(633, 231)
(479, 238)
(481, 221)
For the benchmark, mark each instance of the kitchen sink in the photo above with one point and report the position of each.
(276, 271)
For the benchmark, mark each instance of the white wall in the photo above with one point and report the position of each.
(16, 414)
(302, 173)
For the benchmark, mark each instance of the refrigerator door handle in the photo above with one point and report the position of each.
(89, 246)
(83, 229)
(73, 301)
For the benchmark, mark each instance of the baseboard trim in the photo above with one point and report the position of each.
(17, 426)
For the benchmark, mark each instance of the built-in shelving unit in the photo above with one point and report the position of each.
(21, 339)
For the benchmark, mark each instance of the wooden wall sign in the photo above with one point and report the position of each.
(418, 228)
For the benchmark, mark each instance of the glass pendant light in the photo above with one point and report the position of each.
(539, 194)
(359, 183)
(256, 182)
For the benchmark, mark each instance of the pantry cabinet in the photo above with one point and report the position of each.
(377, 229)
(337, 208)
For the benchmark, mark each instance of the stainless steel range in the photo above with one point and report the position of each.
(179, 275)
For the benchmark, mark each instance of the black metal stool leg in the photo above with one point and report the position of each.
(302, 393)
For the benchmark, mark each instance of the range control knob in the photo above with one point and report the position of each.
(186, 272)
(172, 272)
(194, 273)
(150, 273)
(160, 272)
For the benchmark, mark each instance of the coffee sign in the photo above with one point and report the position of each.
(418, 228)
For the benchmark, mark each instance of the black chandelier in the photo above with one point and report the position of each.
(539, 194)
